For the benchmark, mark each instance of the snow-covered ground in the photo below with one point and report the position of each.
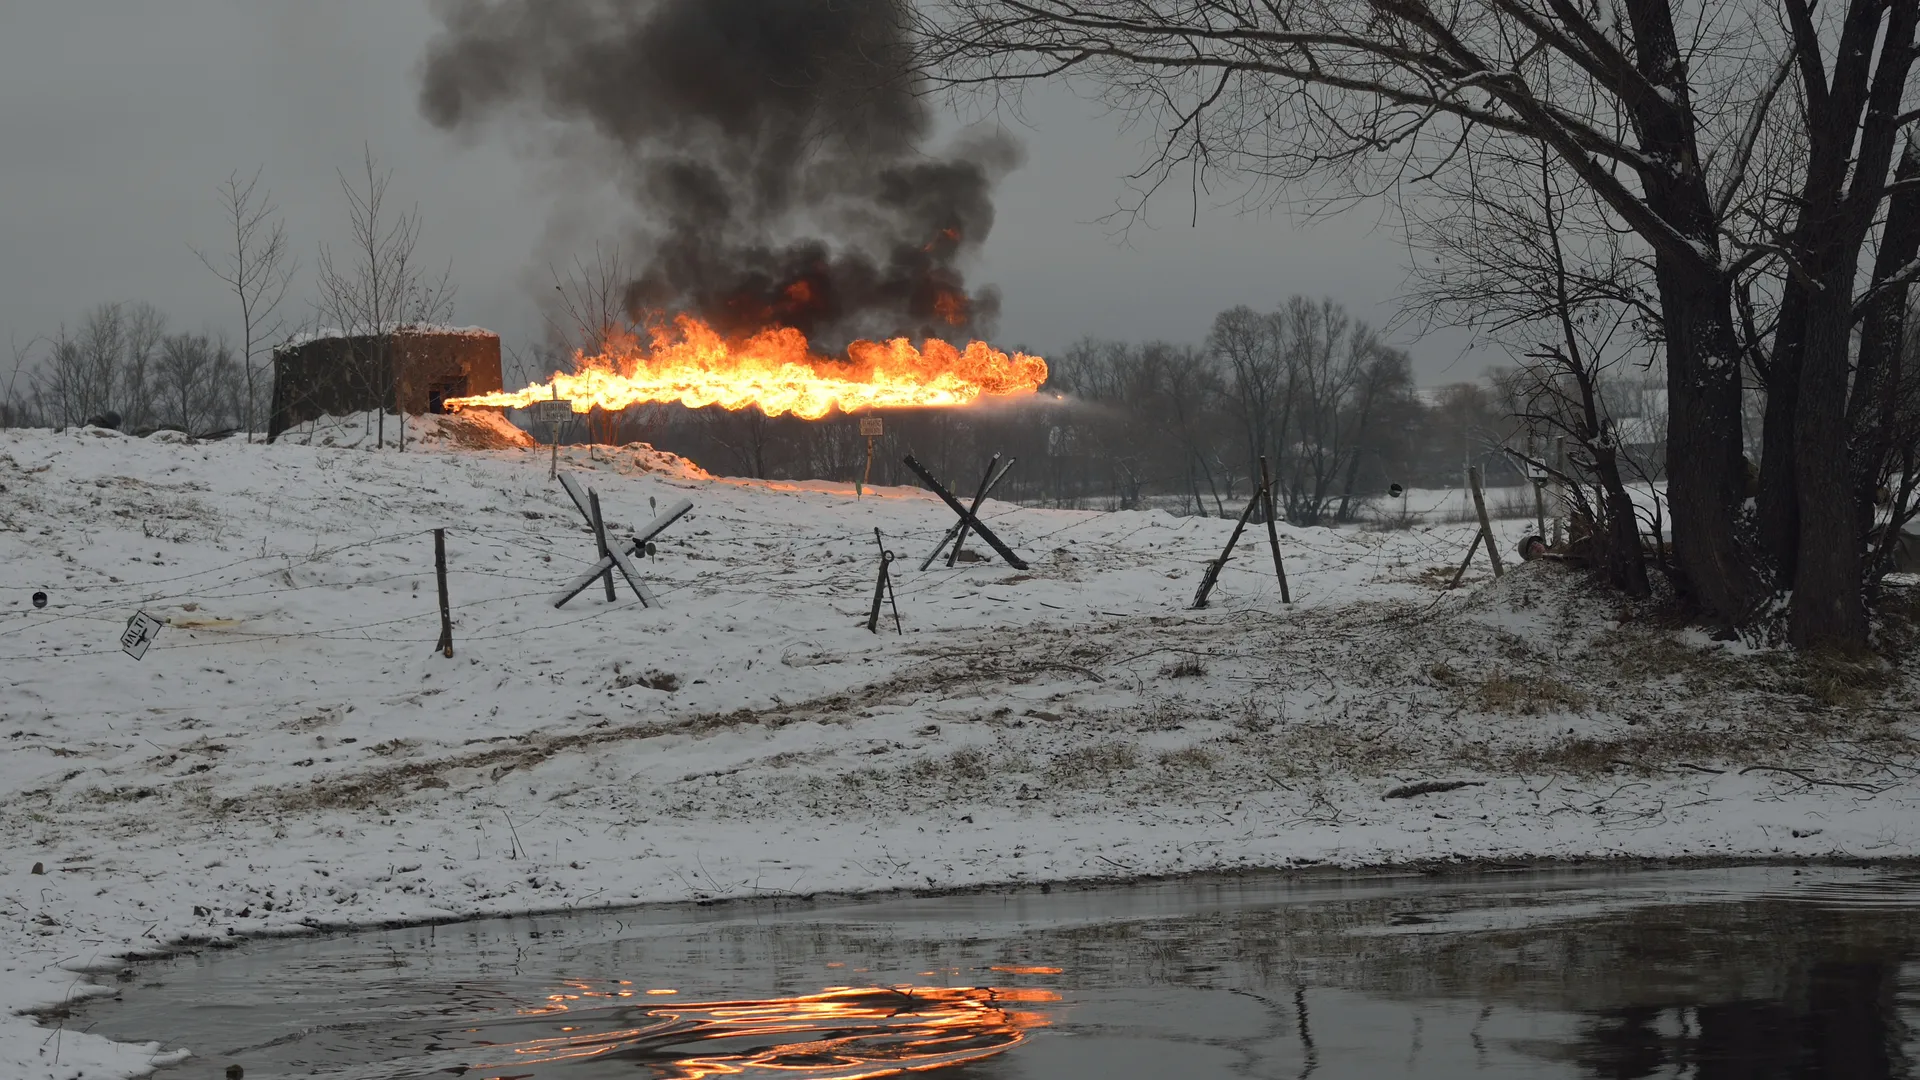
(293, 752)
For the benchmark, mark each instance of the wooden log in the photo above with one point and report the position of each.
(659, 525)
(632, 574)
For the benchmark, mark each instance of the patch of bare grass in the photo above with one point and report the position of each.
(1528, 695)
(1188, 757)
(1840, 682)
(1087, 765)
(1186, 668)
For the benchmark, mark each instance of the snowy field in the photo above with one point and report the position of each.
(293, 753)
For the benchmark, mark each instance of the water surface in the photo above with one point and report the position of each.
(1730, 973)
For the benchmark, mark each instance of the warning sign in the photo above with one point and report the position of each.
(140, 632)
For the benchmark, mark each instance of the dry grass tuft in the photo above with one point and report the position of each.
(1189, 757)
(1840, 682)
(1529, 695)
(1088, 765)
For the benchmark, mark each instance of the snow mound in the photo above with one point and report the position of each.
(475, 429)
(644, 458)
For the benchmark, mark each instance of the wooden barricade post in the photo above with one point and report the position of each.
(600, 538)
(979, 496)
(1273, 532)
(1486, 525)
(1214, 567)
(954, 530)
(966, 516)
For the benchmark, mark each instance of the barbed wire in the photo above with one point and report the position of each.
(776, 542)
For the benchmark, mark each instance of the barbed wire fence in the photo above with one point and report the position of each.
(771, 543)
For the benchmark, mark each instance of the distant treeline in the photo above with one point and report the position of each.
(1125, 425)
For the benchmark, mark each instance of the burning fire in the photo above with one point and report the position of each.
(774, 370)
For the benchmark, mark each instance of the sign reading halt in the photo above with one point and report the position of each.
(141, 629)
(551, 413)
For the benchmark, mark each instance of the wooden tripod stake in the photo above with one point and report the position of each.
(1263, 497)
(883, 589)
(1273, 532)
(1484, 536)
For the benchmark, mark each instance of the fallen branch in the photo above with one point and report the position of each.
(1429, 787)
(1815, 780)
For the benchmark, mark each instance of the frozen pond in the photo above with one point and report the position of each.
(1746, 972)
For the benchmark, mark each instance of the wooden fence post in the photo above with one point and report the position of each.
(440, 574)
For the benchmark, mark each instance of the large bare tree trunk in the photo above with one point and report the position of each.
(1862, 99)
(1777, 503)
(1873, 409)
(1827, 604)
(1706, 473)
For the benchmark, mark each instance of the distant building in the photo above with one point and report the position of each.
(331, 373)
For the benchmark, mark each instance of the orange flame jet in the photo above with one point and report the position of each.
(775, 371)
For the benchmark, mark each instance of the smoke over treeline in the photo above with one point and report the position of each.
(745, 128)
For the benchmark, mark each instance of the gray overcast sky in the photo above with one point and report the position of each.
(117, 120)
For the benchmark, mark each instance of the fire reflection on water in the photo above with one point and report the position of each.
(841, 1033)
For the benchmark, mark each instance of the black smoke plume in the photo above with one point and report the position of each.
(744, 128)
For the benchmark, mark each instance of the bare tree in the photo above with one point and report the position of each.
(378, 288)
(1260, 384)
(258, 268)
(1669, 113)
(84, 372)
(145, 327)
(191, 373)
(588, 311)
(16, 404)
(1532, 262)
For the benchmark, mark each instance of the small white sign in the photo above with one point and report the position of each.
(872, 427)
(140, 632)
(1536, 471)
(551, 413)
